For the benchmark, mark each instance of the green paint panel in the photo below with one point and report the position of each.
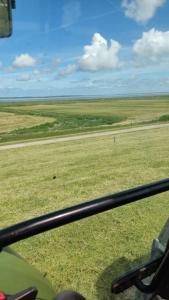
(17, 275)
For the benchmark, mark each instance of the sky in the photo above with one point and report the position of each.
(84, 47)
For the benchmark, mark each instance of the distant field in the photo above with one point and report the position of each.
(70, 117)
(11, 121)
(87, 255)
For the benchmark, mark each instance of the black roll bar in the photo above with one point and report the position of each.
(62, 217)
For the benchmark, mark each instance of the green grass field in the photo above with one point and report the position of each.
(87, 255)
(10, 122)
(71, 117)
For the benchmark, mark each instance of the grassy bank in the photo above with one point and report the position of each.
(87, 255)
(71, 117)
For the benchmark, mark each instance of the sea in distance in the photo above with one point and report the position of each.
(78, 97)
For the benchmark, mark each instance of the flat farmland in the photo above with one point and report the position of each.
(88, 254)
(71, 117)
(10, 121)
(140, 109)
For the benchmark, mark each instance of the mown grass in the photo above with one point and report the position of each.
(72, 117)
(63, 124)
(11, 121)
(87, 255)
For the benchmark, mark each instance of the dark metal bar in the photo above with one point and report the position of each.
(130, 278)
(160, 279)
(56, 219)
(13, 4)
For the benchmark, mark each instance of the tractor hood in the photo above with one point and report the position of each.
(17, 275)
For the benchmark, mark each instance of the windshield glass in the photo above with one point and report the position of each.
(86, 48)
(84, 112)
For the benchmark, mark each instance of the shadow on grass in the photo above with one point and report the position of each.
(118, 268)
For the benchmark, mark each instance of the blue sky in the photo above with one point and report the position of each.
(82, 47)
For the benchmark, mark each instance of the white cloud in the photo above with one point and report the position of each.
(141, 10)
(9, 69)
(152, 47)
(69, 69)
(99, 55)
(24, 77)
(46, 70)
(24, 60)
(55, 62)
(36, 72)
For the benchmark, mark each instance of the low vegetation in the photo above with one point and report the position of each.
(10, 122)
(164, 118)
(87, 255)
(71, 117)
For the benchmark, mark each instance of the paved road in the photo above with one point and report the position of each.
(81, 136)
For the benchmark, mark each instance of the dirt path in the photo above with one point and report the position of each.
(81, 136)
